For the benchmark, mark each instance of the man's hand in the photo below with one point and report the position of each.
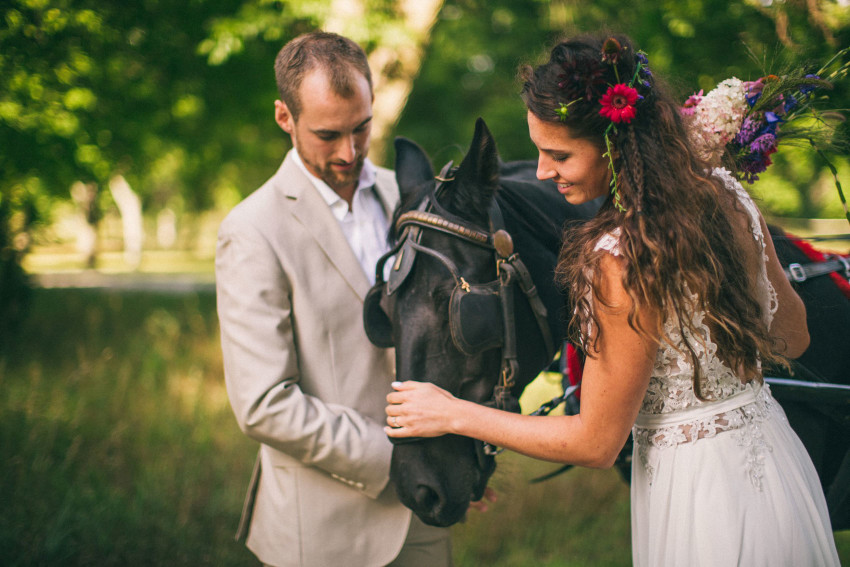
(481, 505)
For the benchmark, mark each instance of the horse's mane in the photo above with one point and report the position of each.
(535, 207)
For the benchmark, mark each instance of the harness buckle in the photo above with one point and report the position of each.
(796, 272)
(491, 450)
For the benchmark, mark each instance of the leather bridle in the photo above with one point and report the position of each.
(511, 273)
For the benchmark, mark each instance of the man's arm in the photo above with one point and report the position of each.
(261, 371)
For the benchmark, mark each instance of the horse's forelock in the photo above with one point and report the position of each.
(468, 201)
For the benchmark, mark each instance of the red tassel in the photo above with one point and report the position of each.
(575, 367)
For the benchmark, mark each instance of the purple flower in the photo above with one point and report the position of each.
(748, 131)
(754, 164)
(764, 144)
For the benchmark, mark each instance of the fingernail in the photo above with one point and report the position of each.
(395, 384)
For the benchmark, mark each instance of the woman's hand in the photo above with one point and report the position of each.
(419, 409)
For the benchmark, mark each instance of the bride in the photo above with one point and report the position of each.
(679, 298)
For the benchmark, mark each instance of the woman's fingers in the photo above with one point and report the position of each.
(416, 409)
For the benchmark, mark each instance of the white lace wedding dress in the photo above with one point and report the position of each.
(723, 482)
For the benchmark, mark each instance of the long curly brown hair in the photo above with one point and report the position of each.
(677, 231)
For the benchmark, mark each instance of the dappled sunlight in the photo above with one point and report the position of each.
(191, 389)
(542, 389)
(555, 522)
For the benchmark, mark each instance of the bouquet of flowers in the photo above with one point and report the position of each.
(746, 119)
(741, 123)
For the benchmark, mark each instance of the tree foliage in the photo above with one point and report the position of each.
(477, 47)
(177, 96)
(92, 88)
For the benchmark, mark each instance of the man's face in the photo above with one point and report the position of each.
(332, 132)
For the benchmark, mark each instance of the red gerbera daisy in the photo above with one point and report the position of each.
(618, 103)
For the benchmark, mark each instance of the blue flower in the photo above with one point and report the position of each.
(751, 100)
(790, 102)
(773, 121)
(806, 89)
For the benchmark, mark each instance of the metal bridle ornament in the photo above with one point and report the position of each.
(471, 333)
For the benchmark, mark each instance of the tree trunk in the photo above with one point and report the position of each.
(85, 195)
(394, 63)
(130, 207)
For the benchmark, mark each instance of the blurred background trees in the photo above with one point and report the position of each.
(173, 100)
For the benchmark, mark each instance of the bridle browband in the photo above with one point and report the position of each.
(511, 272)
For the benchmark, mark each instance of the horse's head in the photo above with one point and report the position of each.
(444, 307)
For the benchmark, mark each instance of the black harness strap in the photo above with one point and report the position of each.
(798, 273)
(511, 272)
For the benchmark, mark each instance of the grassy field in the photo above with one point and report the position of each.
(118, 447)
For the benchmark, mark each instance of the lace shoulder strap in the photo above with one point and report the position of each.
(733, 184)
(767, 292)
(610, 242)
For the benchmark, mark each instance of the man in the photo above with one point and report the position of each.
(293, 265)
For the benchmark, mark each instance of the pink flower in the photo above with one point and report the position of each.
(618, 103)
(691, 104)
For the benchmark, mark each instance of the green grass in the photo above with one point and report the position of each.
(116, 440)
(118, 447)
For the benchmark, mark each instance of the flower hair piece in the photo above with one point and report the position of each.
(580, 81)
(618, 103)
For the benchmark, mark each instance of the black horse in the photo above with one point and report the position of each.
(818, 411)
(449, 324)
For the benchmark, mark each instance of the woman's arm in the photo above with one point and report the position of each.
(788, 328)
(614, 383)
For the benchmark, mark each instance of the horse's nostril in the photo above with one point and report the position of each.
(427, 497)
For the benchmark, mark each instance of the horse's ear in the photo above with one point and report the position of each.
(480, 166)
(412, 167)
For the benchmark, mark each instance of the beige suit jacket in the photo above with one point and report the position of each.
(304, 380)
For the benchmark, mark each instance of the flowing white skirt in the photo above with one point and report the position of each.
(744, 496)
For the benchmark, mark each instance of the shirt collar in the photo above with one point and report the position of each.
(368, 176)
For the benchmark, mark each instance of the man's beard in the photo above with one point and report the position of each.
(337, 180)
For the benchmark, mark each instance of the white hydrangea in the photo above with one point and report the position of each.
(718, 117)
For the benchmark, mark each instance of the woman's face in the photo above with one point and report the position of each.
(575, 164)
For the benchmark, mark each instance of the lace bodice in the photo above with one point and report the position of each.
(671, 413)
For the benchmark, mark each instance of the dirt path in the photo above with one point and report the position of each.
(169, 283)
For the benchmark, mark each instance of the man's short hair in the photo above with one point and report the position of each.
(339, 57)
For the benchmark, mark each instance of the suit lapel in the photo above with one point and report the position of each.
(313, 213)
(387, 191)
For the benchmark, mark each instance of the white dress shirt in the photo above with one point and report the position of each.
(365, 225)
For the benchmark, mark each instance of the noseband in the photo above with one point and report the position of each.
(471, 332)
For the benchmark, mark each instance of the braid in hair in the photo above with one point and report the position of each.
(634, 167)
